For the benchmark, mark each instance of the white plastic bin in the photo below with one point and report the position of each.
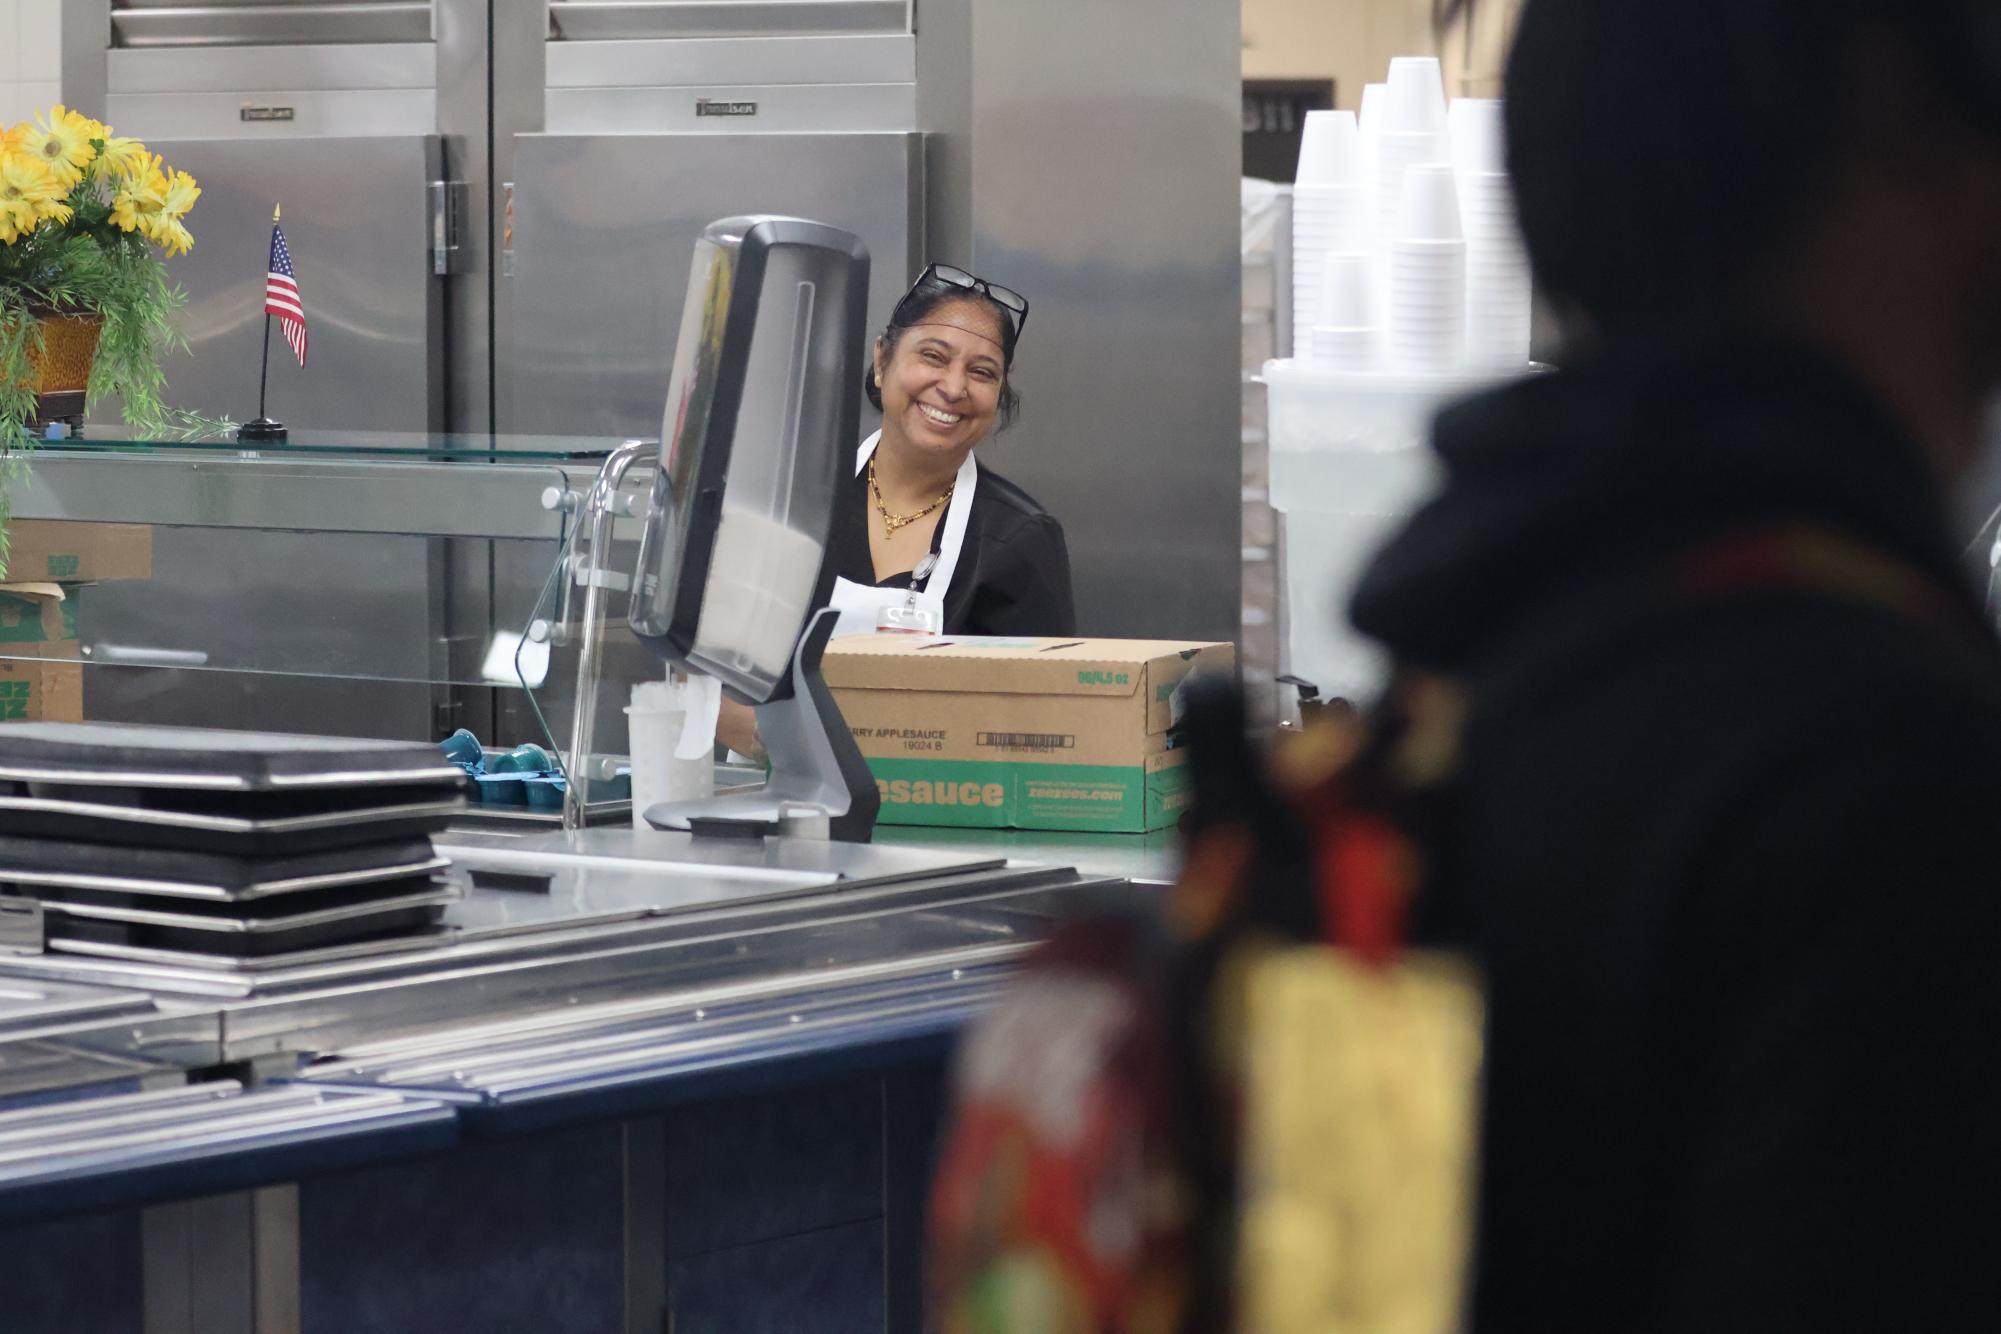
(1350, 461)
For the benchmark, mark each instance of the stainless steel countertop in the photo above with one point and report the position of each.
(649, 968)
(627, 917)
(1152, 858)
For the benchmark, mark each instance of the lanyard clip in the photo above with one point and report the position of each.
(910, 618)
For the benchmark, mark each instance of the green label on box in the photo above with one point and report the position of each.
(13, 700)
(23, 619)
(1167, 795)
(998, 794)
(64, 567)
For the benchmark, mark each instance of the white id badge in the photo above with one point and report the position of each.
(916, 614)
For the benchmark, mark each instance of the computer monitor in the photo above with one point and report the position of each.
(763, 407)
(763, 411)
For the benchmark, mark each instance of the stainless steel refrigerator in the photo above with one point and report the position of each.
(491, 204)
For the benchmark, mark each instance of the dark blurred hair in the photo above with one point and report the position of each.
(916, 309)
(1665, 151)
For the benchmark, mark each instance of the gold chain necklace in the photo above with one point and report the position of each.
(892, 522)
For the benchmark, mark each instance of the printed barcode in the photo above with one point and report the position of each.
(1026, 741)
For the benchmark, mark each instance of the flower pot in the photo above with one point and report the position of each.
(62, 367)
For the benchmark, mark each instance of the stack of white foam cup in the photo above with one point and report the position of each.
(1411, 246)
(1427, 304)
(1370, 121)
(1330, 212)
(1345, 333)
(1430, 303)
(1499, 290)
(1408, 131)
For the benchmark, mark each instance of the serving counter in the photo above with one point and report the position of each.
(705, 1077)
(631, 1078)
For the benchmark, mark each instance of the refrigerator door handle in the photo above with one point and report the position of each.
(449, 203)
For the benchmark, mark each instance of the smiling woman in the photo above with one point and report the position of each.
(925, 524)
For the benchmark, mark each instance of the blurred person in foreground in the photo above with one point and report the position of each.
(1731, 757)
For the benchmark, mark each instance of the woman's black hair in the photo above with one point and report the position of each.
(1666, 152)
(917, 309)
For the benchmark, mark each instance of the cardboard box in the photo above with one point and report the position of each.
(32, 614)
(40, 689)
(64, 551)
(1021, 733)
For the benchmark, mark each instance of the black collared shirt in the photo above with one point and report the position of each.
(1013, 577)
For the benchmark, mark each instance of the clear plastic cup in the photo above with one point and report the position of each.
(671, 756)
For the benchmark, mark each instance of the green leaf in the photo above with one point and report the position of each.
(87, 265)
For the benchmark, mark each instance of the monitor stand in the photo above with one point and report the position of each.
(820, 785)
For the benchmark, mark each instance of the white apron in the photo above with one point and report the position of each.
(861, 605)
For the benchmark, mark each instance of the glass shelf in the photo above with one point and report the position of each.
(478, 447)
(354, 583)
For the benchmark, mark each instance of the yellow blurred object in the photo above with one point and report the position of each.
(1360, 1120)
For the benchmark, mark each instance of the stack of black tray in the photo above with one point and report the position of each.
(165, 839)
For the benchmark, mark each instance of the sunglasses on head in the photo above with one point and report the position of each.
(945, 278)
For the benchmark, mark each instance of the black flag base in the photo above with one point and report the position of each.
(262, 429)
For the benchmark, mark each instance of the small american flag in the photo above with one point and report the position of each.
(281, 295)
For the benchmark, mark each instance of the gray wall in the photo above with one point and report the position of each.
(1088, 155)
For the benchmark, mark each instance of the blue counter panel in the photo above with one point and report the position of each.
(793, 1206)
(71, 1276)
(515, 1238)
(756, 1168)
(825, 1282)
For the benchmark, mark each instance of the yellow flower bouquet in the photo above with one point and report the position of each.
(87, 221)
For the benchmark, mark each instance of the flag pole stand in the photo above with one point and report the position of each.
(264, 428)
